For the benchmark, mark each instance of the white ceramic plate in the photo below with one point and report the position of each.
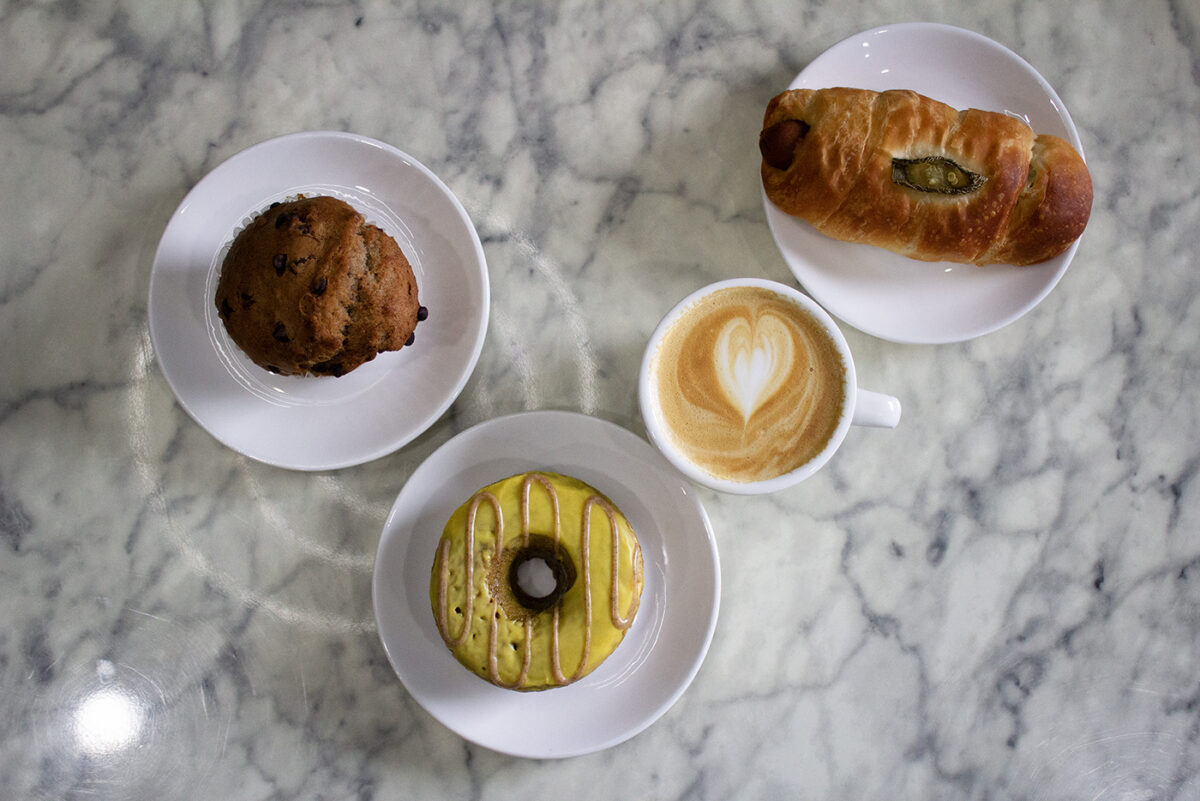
(661, 651)
(890, 296)
(319, 423)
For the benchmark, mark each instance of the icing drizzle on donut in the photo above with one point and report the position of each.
(619, 621)
(443, 556)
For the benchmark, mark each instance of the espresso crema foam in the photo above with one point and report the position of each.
(750, 385)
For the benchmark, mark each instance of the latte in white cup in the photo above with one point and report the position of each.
(748, 386)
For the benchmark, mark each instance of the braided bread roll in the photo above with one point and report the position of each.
(901, 171)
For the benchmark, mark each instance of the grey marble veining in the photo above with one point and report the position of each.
(999, 599)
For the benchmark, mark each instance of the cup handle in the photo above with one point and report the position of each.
(875, 409)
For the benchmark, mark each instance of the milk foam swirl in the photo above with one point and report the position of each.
(751, 386)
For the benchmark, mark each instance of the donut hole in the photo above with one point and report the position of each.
(540, 573)
(535, 577)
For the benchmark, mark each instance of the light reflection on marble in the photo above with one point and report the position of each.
(999, 599)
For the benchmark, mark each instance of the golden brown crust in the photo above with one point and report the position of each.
(1053, 210)
(840, 176)
(309, 287)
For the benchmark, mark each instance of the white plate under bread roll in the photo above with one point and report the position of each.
(904, 172)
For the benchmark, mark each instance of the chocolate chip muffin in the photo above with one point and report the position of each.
(309, 288)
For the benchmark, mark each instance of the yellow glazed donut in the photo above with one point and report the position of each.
(534, 639)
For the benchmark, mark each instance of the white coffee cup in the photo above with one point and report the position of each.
(857, 406)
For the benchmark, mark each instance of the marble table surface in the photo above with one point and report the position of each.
(998, 599)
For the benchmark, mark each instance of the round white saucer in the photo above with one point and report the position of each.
(661, 652)
(888, 295)
(319, 423)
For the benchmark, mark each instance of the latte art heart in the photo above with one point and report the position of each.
(750, 385)
(752, 359)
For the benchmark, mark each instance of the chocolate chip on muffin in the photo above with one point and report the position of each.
(309, 288)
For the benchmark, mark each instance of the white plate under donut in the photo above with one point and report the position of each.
(664, 647)
(882, 293)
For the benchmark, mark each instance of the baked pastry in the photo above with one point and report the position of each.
(512, 633)
(308, 287)
(907, 173)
